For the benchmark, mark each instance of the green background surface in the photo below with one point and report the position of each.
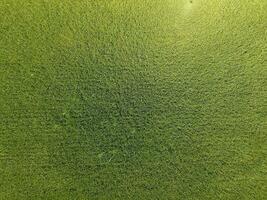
(133, 99)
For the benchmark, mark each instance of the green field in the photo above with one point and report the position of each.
(133, 99)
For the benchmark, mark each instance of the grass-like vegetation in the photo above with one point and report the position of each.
(133, 99)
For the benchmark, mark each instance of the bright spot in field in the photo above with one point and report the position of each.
(189, 6)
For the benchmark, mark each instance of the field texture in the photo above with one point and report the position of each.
(133, 99)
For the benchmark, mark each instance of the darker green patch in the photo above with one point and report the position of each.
(132, 100)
